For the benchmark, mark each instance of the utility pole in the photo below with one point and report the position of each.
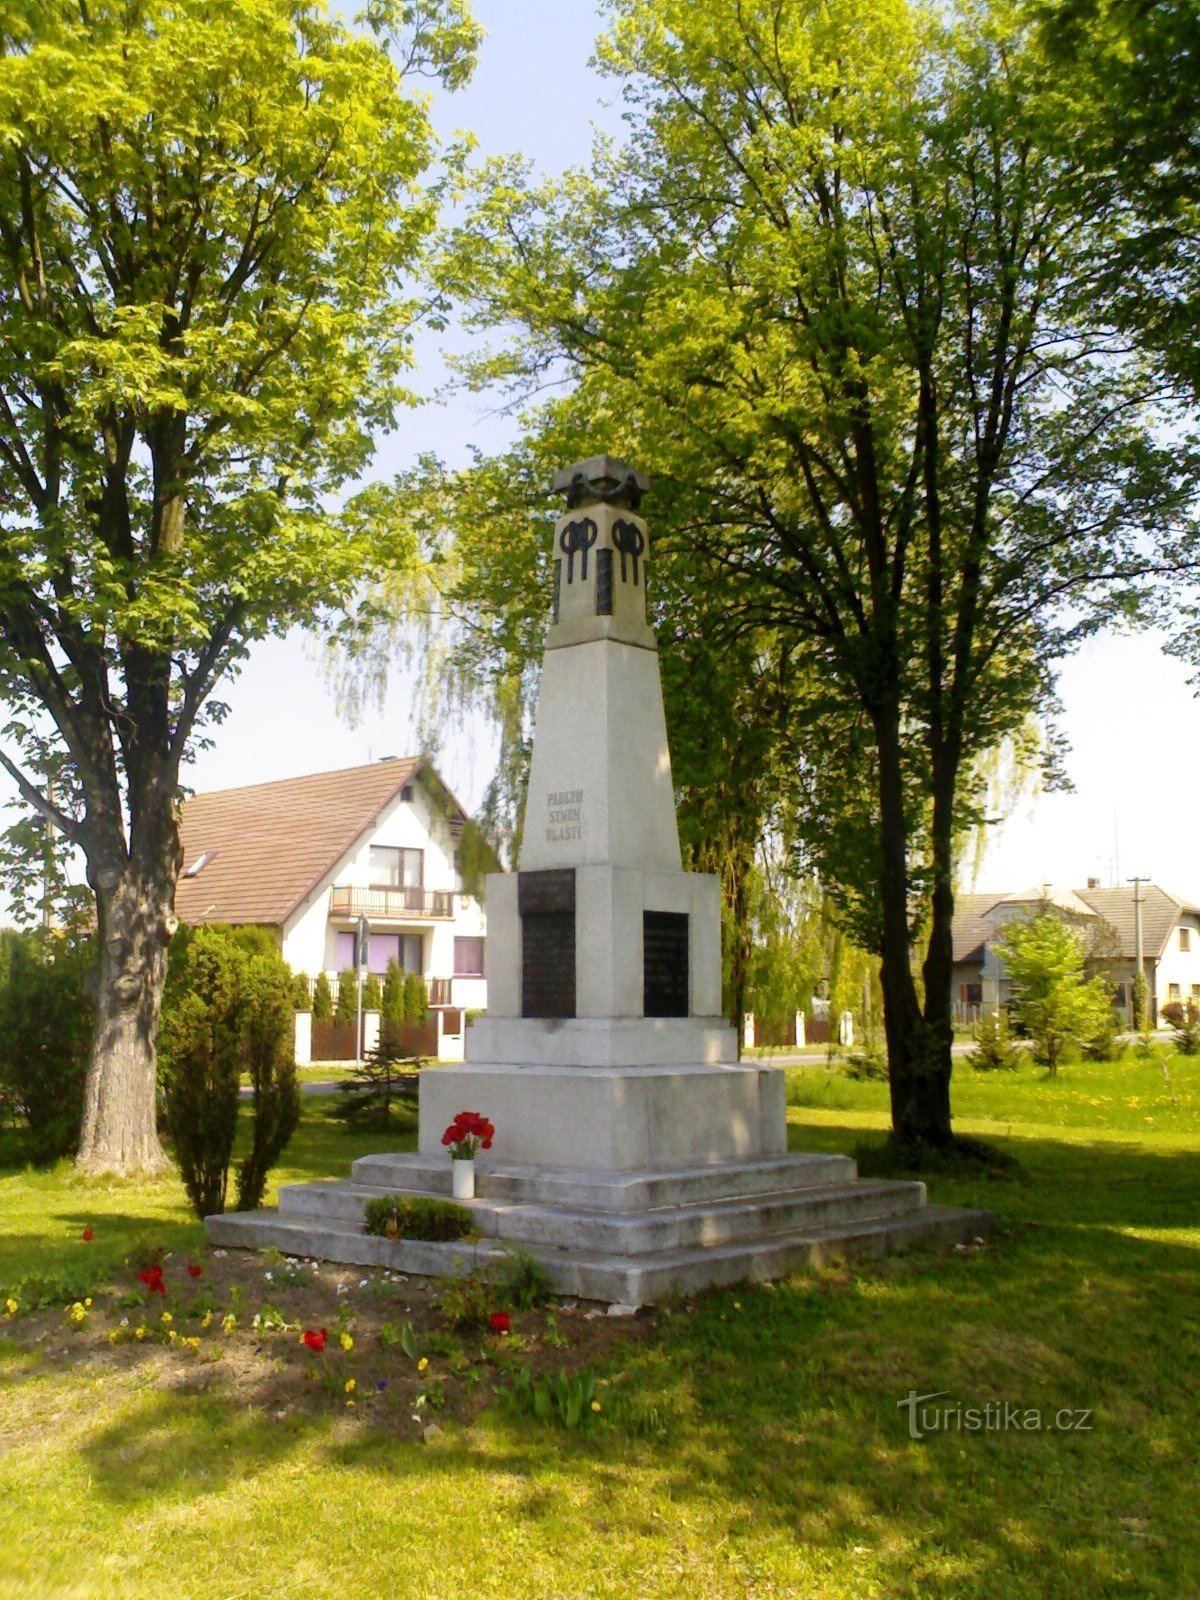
(1140, 1020)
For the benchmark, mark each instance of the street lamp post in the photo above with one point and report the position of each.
(362, 936)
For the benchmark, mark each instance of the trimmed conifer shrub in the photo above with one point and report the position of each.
(416, 997)
(322, 999)
(346, 1011)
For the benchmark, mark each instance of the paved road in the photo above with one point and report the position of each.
(307, 1087)
(813, 1057)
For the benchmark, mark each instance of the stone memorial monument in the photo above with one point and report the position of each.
(603, 1047)
(634, 1155)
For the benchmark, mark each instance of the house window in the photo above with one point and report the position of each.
(406, 948)
(1185, 938)
(1173, 992)
(392, 868)
(970, 994)
(468, 958)
(1196, 991)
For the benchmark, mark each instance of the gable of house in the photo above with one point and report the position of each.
(254, 854)
(1160, 915)
(970, 928)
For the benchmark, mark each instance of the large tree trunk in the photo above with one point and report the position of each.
(135, 921)
(919, 1087)
(938, 967)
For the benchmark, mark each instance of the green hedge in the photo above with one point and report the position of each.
(407, 1216)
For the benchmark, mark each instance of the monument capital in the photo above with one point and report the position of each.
(601, 480)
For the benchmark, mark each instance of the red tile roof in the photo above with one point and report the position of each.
(271, 844)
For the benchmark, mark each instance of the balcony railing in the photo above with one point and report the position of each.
(439, 991)
(396, 905)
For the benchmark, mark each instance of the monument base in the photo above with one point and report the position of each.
(612, 1119)
(634, 1237)
(601, 1042)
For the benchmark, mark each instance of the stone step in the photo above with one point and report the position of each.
(648, 1280)
(339, 1241)
(703, 1226)
(626, 1234)
(634, 1281)
(618, 1191)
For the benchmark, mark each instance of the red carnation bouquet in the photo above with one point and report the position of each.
(470, 1131)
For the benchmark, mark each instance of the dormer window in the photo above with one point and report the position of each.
(1185, 938)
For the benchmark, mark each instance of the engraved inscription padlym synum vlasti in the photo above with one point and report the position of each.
(564, 817)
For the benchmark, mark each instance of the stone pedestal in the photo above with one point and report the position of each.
(613, 1119)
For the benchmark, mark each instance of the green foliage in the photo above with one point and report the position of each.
(45, 1028)
(798, 949)
(383, 1080)
(867, 1065)
(1141, 1001)
(200, 1057)
(401, 1216)
(467, 1303)
(346, 1010)
(829, 293)
(994, 1049)
(269, 1056)
(1185, 1019)
(227, 1010)
(37, 1290)
(209, 213)
(372, 993)
(301, 996)
(1106, 1043)
(566, 1399)
(392, 1000)
(416, 997)
(1059, 1007)
(521, 1281)
(322, 999)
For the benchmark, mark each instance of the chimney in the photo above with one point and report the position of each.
(1093, 883)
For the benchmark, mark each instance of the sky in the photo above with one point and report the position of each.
(1130, 717)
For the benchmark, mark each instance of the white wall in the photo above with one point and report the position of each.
(1178, 966)
(310, 939)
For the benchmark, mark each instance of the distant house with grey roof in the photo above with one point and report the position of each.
(307, 857)
(1107, 922)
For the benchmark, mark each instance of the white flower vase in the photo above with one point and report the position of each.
(462, 1179)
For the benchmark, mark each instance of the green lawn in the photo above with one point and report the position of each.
(750, 1445)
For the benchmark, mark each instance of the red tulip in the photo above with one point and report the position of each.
(314, 1340)
(499, 1322)
(88, 1235)
(152, 1277)
(193, 1270)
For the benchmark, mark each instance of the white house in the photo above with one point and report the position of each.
(1107, 920)
(307, 857)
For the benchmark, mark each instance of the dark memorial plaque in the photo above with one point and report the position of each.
(665, 963)
(546, 902)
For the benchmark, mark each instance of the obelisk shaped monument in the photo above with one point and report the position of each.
(603, 1045)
